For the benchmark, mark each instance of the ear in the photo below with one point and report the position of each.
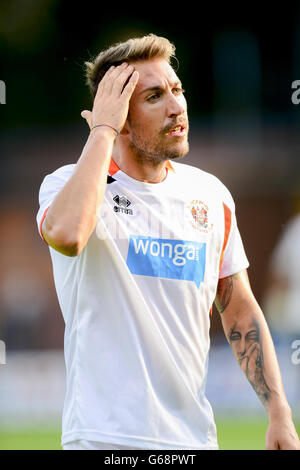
(124, 131)
(126, 128)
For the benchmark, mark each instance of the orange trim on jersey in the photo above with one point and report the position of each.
(113, 167)
(227, 224)
(43, 218)
(227, 228)
(169, 166)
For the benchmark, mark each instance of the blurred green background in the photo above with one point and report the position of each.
(233, 434)
(237, 64)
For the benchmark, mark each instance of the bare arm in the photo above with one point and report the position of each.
(73, 214)
(248, 334)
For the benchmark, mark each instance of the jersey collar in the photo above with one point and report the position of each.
(113, 167)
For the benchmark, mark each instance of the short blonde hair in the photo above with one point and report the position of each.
(132, 50)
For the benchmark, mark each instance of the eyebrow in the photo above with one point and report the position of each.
(159, 88)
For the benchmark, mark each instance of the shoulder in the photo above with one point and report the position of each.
(53, 182)
(196, 176)
(61, 174)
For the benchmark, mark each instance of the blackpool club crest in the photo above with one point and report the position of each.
(198, 212)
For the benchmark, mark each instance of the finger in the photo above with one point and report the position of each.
(271, 440)
(130, 87)
(87, 115)
(84, 114)
(252, 348)
(125, 77)
(104, 81)
(244, 364)
(272, 445)
(116, 75)
(121, 82)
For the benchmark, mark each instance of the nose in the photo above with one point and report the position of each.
(176, 105)
(242, 347)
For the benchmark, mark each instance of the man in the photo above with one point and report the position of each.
(141, 246)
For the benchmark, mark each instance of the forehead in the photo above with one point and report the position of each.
(155, 72)
(248, 325)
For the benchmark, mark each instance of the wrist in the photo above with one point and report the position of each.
(103, 132)
(279, 410)
(106, 126)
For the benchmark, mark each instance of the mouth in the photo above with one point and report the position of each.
(177, 131)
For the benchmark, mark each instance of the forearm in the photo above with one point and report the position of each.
(259, 363)
(248, 334)
(72, 216)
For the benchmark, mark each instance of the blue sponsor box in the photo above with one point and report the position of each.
(167, 258)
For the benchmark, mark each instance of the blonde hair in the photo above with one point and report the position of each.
(132, 50)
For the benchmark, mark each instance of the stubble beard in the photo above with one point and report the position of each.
(153, 153)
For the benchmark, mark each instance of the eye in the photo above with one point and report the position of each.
(178, 91)
(153, 97)
(235, 336)
(253, 335)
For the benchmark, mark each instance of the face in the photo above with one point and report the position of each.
(245, 340)
(157, 121)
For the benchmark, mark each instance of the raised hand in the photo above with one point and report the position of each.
(111, 102)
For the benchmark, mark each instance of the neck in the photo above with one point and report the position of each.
(138, 167)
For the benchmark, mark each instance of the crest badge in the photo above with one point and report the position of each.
(199, 217)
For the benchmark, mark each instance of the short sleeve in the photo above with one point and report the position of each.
(50, 187)
(233, 257)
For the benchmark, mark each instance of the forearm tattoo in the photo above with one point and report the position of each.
(244, 338)
(224, 292)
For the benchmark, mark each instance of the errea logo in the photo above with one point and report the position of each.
(122, 205)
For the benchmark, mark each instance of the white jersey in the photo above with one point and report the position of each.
(136, 303)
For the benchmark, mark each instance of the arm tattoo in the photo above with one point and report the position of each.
(224, 292)
(244, 338)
